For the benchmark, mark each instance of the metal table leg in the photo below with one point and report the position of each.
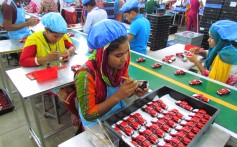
(39, 140)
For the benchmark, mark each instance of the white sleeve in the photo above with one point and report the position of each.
(88, 23)
(36, 61)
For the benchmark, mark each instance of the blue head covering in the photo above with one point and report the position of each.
(55, 22)
(220, 43)
(227, 29)
(229, 54)
(130, 4)
(85, 2)
(104, 32)
(68, 1)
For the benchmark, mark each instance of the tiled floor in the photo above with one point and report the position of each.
(14, 131)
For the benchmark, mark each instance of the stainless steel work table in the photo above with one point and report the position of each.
(28, 89)
(172, 50)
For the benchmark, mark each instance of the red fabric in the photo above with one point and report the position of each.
(70, 17)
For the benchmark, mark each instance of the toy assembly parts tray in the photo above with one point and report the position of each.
(5, 103)
(163, 118)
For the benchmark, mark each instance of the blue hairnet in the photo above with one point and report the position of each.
(104, 32)
(85, 2)
(55, 22)
(226, 29)
(130, 4)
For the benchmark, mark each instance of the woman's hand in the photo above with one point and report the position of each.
(126, 89)
(192, 58)
(54, 55)
(66, 56)
(141, 91)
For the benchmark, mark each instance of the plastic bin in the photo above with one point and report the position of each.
(96, 129)
(46, 74)
(6, 104)
(196, 104)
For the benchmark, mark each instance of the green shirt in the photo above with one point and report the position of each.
(150, 4)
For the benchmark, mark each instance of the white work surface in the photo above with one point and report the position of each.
(214, 137)
(172, 50)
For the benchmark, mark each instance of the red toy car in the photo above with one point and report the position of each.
(169, 59)
(141, 140)
(139, 118)
(179, 54)
(141, 59)
(223, 91)
(164, 144)
(150, 110)
(156, 65)
(70, 34)
(201, 97)
(132, 122)
(149, 136)
(179, 72)
(195, 82)
(125, 128)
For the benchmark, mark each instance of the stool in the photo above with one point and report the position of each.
(55, 106)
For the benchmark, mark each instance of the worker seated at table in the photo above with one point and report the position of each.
(94, 15)
(102, 83)
(221, 63)
(48, 46)
(68, 12)
(47, 6)
(31, 6)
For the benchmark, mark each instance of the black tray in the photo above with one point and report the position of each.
(196, 104)
(7, 100)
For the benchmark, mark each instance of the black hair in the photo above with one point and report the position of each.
(133, 9)
(91, 3)
(115, 44)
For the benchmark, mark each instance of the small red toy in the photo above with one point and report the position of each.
(149, 136)
(223, 91)
(152, 127)
(179, 54)
(150, 110)
(199, 111)
(181, 128)
(195, 130)
(125, 128)
(160, 133)
(141, 59)
(139, 118)
(178, 134)
(70, 34)
(156, 65)
(164, 144)
(195, 82)
(141, 140)
(132, 122)
(169, 59)
(179, 72)
(201, 97)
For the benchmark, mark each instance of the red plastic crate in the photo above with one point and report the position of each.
(5, 102)
(46, 74)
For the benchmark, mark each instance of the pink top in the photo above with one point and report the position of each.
(32, 7)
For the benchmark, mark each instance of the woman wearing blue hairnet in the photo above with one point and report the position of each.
(102, 83)
(221, 63)
(48, 46)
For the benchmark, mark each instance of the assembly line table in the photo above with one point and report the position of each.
(139, 71)
(172, 50)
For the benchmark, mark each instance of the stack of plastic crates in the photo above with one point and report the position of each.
(211, 14)
(109, 8)
(159, 33)
(229, 10)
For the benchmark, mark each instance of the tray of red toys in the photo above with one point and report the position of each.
(157, 119)
(5, 103)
